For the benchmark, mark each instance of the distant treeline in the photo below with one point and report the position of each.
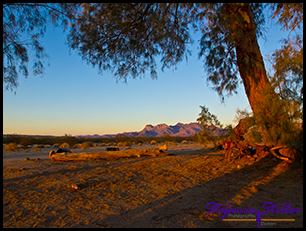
(71, 140)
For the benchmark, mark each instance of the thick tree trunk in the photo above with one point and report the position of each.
(267, 107)
(249, 58)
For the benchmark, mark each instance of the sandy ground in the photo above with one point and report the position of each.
(165, 191)
(44, 153)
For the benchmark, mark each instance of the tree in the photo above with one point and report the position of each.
(207, 119)
(23, 24)
(126, 39)
(128, 44)
(209, 123)
(283, 125)
(287, 62)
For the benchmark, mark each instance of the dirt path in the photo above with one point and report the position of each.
(169, 191)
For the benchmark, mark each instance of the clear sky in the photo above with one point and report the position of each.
(73, 98)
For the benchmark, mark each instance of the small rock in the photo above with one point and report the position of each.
(75, 186)
(254, 189)
(27, 159)
(239, 166)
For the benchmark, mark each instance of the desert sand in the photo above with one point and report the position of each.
(163, 191)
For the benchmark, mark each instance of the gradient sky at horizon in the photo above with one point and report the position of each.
(73, 98)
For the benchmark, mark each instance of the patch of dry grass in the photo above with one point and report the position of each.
(11, 147)
(109, 155)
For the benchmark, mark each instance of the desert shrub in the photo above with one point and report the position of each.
(153, 142)
(27, 140)
(85, 145)
(65, 145)
(47, 146)
(184, 142)
(25, 147)
(127, 144)
(11, 147)
(170, 143)
(123, 144)
(76, 146)
(37, 148)
(139, 144)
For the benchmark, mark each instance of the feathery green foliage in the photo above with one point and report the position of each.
(126, 37)
(207, 120)
(23, 25)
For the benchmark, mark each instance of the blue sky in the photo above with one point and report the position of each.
(73, 98)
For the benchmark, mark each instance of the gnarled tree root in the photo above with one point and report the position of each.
(272, 151)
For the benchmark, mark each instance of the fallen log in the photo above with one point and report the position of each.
(107, 155)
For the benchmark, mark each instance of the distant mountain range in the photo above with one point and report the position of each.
(180, 129)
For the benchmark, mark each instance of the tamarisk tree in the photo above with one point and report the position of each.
(127, 38)
(23, 25)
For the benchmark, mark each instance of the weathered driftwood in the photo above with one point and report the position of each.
(283, 150)
(243, 135)
(108, 155)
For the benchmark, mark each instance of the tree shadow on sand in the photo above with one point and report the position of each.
(263, 181)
